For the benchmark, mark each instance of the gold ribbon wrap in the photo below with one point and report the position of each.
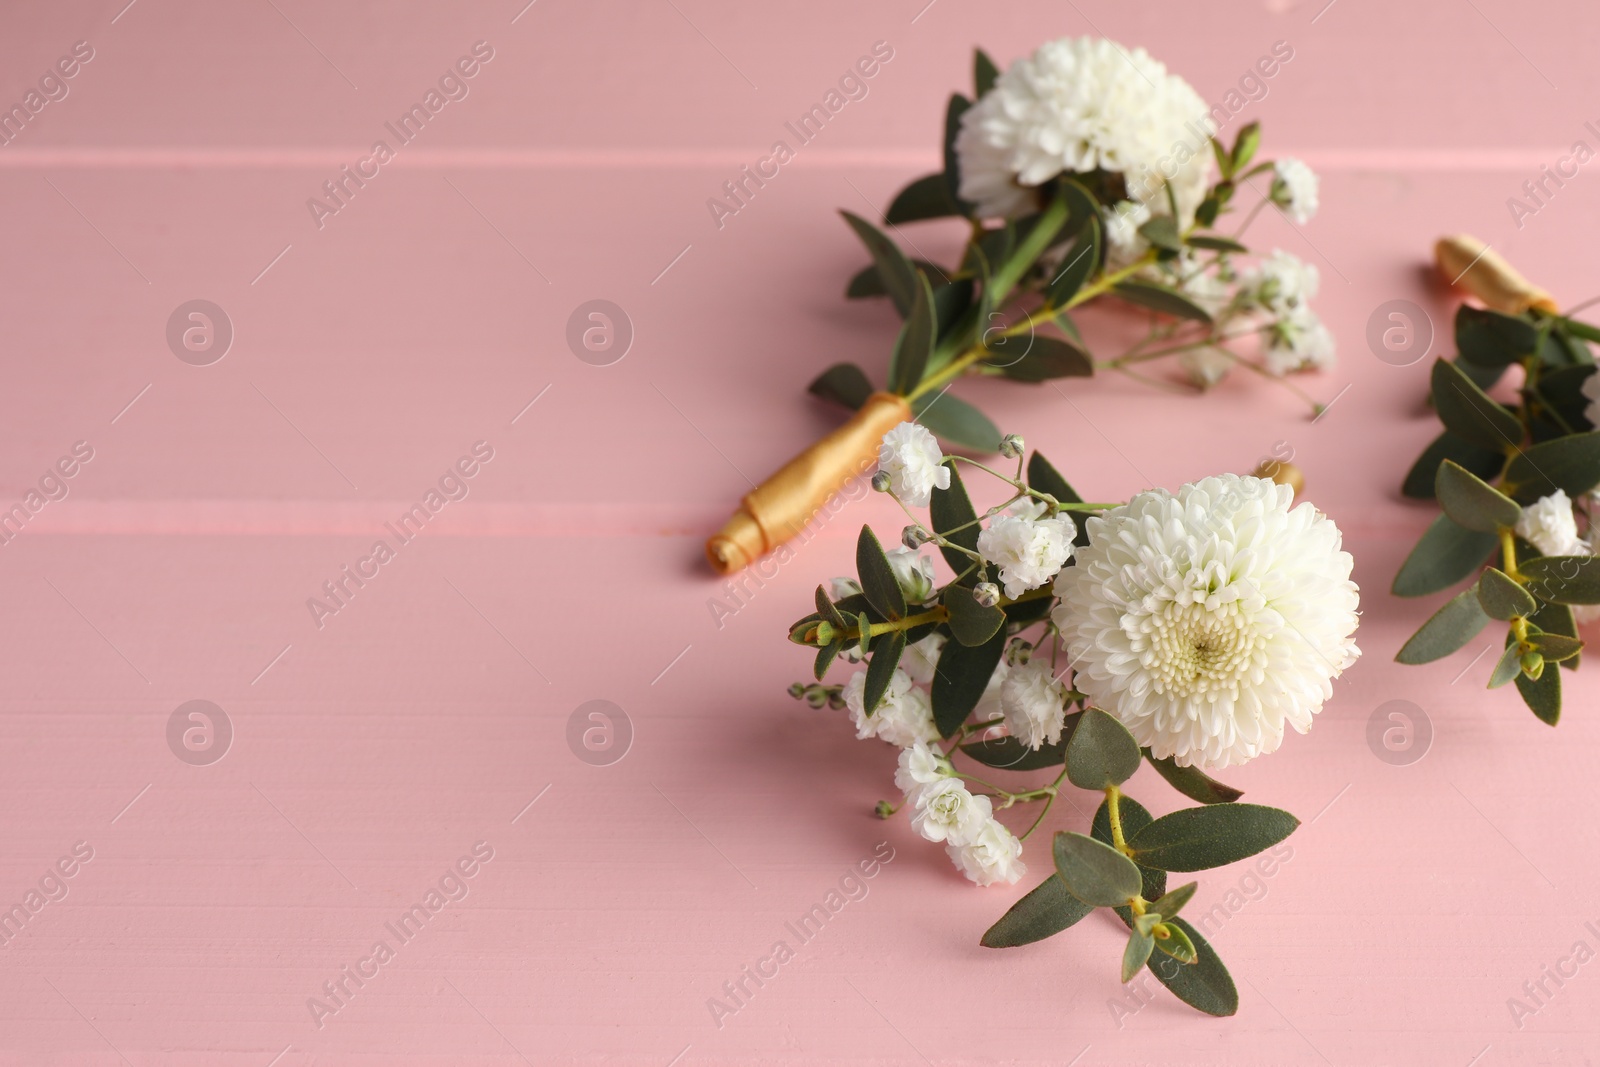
(780, 507)
(1477, 268)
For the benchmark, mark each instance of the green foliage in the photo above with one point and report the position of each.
(1193, 782)
(1195, 839)
(1502, 598)
(1101, 753)
(1468, 412)
(1452, 626)
(1472, 502)
(1447, 553)
(960, 678)
(877, 579)
(1095, 872)
(1046, 911)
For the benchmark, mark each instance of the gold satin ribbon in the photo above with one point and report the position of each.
(1474, 266)
(779, 508)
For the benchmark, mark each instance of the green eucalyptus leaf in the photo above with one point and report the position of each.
(971, 623)
(1192, 782)
(915, 343)
(984, 73)
(1564, 579)
(1204, 985)
(1134, 819)
(895, 272)
(1101, 753)
(1492, 339)
(925, 198)
(1046, 479)
(1007, 753)
(1557, 619)
(1542, 695)
(1484, 462)
(1195, 839)
(1473, 502)
(1469, 412)
(1161, 298)
(1460, 620)
(1176, 943)
(1041, 359)
(1447, 553)
(877, 579)
(1555, 647)
(1506, 668)
(1503, 598)
(1171, 903)
(1078, 263)
(1212, 243)
(1047, 910)
(842, 383)
(954, 518)
(1162, 232)
(1095, 872)
(825, 657)
(1140, 945)
(1562, 391)
(880, 670)
(956, 422)
(953, 111)
(1245, 145)
(959, 679)
(1571, 464)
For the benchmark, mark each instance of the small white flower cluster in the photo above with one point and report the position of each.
(944, 811)
(1281, 287)
(1294, 189)
(1551, 526)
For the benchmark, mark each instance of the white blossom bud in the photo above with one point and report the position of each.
(987, 594)
(1011, 446)
(880, 482)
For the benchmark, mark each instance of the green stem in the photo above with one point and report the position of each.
(1114, 811)
(1508, 553)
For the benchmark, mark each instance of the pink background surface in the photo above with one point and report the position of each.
(371, 753)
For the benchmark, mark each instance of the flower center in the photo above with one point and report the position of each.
(1193, 650)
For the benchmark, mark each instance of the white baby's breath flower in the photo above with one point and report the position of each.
(922, 659)
(1591, 390)
(993, 855)
(1082, 104)
(1203, 285)
(1208, 620)
(920, 765)
(989, 703)
(1294, 188)
(902, 718)
(913, 572)
(1299, 341)
(946, 811)
(1281, 282)
(911, 458)
(1550, 526)
(839, 588)
(1034, 704)
(1205, 367)
(1028, 551)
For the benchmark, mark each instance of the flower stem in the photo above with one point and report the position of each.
(1508, 553)
(1114, 811)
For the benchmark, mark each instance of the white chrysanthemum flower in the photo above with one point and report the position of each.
(1034, 704)
(920, 765)
(1282, 282)
(1028, 551)
(903, 717)
(946, 811)
(1294, 188)
(913, 572)
(910, 456)
(1591, 390)
(1082, 104)
(1121, 224)
(1299, 341)
(1208, 620)
(1551, 527)
(993, 855)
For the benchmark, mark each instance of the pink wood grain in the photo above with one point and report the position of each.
(426, 715)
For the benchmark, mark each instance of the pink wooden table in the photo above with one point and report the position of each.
(425, 723)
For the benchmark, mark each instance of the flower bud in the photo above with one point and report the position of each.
(914, 536)
(797, 690)
(816, 696)
(880, 482)
(1011, 446)
(1532, 664)
(885, 809)
(987, 594)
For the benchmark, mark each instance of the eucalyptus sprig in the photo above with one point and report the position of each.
(1512, 477)
(892, 609)
(1007, 308)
